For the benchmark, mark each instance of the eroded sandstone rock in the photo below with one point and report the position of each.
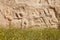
(27, 13)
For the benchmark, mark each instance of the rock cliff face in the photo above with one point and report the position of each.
(29, 13)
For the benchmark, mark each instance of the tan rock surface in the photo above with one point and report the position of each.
(26, 13)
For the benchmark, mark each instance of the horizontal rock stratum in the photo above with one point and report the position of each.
(29, 13)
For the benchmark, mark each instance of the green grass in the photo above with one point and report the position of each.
(29, 34)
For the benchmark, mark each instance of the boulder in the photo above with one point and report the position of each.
(29, 13)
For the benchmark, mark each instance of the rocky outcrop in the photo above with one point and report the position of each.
(29, 13)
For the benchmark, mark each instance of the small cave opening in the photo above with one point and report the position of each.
(25, 23)
(21, 14)
(16, 15)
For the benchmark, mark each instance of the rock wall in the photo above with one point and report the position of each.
(29, 13)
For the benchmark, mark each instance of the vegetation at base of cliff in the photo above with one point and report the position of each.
(29, 34)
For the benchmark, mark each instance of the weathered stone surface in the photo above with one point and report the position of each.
(27, 13)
